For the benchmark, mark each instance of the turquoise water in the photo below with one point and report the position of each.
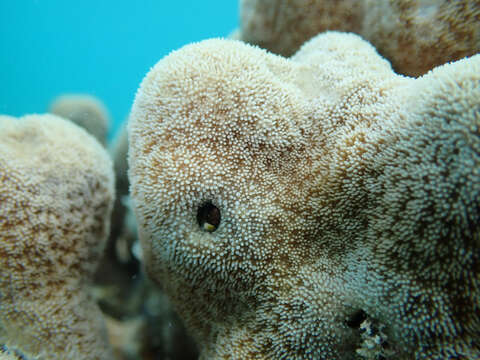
(104, 48)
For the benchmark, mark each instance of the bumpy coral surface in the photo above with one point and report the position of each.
(56, 195)
(283, 26)
(288, 205)
(415, 35)
(84, 110)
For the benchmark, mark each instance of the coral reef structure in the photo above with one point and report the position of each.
(317, 207)
(418, 35)
(283, 26)
(56, 196)
(415, 35)
(84, 110)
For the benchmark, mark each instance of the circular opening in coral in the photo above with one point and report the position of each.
(208, 217)
(356, 319)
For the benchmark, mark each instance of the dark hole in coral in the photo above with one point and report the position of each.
(356, 319)
(208, 217)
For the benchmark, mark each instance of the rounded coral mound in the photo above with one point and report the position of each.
(86, 111)
(317, 207)
(414, 35)
(418, 35)
(56, 196)
(283, 26)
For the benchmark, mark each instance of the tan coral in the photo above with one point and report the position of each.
(283, 26)
(284, 204)
(56, 195)
(84, 110)
(415, 35)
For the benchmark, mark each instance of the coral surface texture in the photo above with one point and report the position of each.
(56, 196)
(315, 207)
(414, 35)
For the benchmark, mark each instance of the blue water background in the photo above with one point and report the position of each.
(103, 48)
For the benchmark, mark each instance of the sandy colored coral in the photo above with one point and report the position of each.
(285, 205)
(56, 195)
(84, 110)
(282, 26)
(415, 35)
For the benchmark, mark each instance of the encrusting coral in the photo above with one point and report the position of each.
(318, 207)
(56, 195)
(415, 35)
(84, 110)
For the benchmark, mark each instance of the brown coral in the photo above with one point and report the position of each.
(56, 195)
(277, 199)
(415, 35)
(283, 26)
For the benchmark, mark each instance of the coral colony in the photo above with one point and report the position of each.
(290, 193)
(331, 187)
(55, 197)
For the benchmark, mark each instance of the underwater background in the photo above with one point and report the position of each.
(102, 48)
